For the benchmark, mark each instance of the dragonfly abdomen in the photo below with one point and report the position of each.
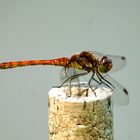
(58, 62)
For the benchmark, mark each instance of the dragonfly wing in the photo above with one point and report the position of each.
(117, 61)
(65, 73)
(120, 94)
(71, 75)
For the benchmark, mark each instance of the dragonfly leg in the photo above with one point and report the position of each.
(72, 78)
(101, 78)
(92, 78)
(77, 76)
(104, 81)
(89, 82)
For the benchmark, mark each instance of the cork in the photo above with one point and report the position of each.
(87, 116)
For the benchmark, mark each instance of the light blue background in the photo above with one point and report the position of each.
(39, 29)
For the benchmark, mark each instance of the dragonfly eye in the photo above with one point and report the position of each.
(105, 64)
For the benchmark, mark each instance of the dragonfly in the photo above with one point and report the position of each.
(97, 63)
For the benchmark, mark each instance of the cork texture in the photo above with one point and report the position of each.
(80, 118)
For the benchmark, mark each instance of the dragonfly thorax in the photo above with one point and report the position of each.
(83, 61)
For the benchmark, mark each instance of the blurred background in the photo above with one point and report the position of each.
(45, 29)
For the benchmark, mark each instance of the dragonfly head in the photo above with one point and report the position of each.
(105, 64)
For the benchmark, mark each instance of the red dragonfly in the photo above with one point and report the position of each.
(97, 63)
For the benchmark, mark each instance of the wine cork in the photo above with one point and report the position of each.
(85, 117)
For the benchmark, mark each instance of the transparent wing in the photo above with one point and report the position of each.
(72, 75)
(120, 94)
(65, 73)
(118, 61)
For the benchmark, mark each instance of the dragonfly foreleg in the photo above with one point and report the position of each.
(104, 81)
